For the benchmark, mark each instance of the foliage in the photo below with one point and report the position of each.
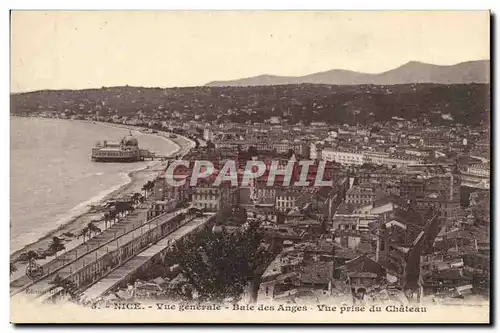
(467, 103)
(221, 265)
(84, 233)
(28, 256)
(252, 151)
(148, 187)
(93, 229)
(231, 215)
(56, 245)
(68, 287)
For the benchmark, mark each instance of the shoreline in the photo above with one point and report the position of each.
(136, 179)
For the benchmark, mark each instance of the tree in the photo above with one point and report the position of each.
(252, 151)
(107, 219)
(147, 187)
(93, 229)
(223, 215)
(151, 185)
(221, 265)
(123, 207)
(68, 287)
(136, 198)
(231, 215)
(84, 232)
(56, 245)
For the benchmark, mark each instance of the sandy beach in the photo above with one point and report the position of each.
(137, 180)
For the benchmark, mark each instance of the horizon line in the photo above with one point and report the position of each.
(248, 77)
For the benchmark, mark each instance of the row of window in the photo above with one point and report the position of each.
(205, 205)
(366, 201)
(114, 154)
(204, 197)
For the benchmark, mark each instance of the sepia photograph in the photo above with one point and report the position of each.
(250, 167)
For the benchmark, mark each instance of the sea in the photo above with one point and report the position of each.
(52, 178)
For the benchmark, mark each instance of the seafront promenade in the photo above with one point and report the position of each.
(108, 255)
(69, 230)
(129, 223)
(140, 261)
(77, 256)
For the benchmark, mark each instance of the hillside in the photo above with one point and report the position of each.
(465, 103)
(411, 72)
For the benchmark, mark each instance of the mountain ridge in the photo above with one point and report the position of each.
(475, 71)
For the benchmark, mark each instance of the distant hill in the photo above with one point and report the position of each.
(411, 72)
(335, 104)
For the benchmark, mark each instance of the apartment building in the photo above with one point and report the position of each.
(390, 160)
(345, 157)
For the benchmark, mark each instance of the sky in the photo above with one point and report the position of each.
(91, 49)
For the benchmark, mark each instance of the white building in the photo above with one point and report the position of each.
(342, 157)
(208, 134)
(481, 170)
(284, 202)
(390, 160)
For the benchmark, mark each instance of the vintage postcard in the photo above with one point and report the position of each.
(250, 167)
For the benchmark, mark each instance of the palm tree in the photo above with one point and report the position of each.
(56, 245)
(151, 185)
(90, 227)
(106, 219)
(93, 229)
(97, 230)
(84, 232)
(145, 189)
(136, 197)
(148, 187)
